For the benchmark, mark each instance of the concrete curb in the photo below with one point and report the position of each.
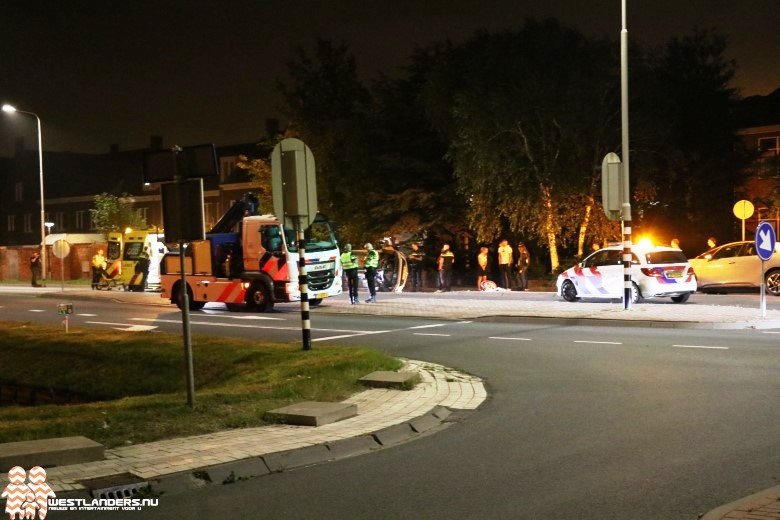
(254, 467)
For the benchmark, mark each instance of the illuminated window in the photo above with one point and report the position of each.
(28, 223)
(11, 222)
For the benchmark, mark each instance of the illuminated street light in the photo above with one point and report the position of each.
(11, 109)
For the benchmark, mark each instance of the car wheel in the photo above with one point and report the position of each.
(682, 298)
(569, 292)
(259, 299)
(636, 296)
(315, 302)
(773, 282)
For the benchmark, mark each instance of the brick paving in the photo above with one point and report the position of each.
(377, 409)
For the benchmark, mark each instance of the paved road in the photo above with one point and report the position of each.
(583, 422)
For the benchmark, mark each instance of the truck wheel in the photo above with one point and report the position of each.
(259, 298)
(194, 306)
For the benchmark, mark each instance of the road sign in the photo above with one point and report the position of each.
(743, 209)
(61, 248)
(294, 182)
(765, 240)
(611, 194)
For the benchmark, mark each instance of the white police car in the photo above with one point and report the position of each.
(655, 272)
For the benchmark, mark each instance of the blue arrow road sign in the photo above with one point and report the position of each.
(765, 240)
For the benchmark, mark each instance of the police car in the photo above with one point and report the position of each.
(655, 272)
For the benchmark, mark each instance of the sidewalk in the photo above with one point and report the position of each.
(385, 417)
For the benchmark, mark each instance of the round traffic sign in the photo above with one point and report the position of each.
(61, 248)
(765, 240)
(743, 209)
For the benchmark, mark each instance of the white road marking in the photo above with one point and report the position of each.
(227, 314)
(701, 346)
(86, 315)
(36, 310)
(599, 342)
(124, 326)
(770, 331)
(512, 339)
(430, 334)
(426, 326)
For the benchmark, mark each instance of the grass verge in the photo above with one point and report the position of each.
(136, 385)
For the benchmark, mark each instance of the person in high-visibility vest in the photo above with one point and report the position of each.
(98, 266)
(446, 259)
(372, 262)
(350, 265)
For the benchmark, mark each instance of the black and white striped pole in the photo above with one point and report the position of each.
(626, 192)
(303, 285)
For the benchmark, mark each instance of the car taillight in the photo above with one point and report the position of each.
(652, 271)
(691, 271)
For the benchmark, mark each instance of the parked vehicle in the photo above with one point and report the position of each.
(251, 261)
(656, 271)
(736, 266)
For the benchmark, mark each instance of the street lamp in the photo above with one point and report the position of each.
(11, 109)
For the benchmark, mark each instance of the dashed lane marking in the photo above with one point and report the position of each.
(36, 310)
(431, 334)
(701, 346)
(511, 339)
(426, 326)
(599, 342)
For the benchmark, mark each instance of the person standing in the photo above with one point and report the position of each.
(482, 267)
(446, 259)
(350, 265)
(142, 267)
(416, 259)
(98, 266)
(522, 263)
(504, 264)
(372, 262)
(35, 268)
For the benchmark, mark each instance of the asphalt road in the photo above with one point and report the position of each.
(585, 422)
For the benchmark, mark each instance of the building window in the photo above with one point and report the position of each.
(18, 192)
(766, 144)
(28, 223)
(11, 221)
(226, 167)
(59, 221)
(143, 213)
(80, 216)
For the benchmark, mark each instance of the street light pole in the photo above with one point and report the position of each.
(12, 109)
(626, 196)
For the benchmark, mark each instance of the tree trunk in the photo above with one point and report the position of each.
(549, 227)
(584, 229)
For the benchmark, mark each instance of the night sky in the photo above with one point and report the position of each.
(116, 72)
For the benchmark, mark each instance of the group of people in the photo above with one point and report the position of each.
(509, 263)
(349, 262)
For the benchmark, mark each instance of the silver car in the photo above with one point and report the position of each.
(736, 266)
